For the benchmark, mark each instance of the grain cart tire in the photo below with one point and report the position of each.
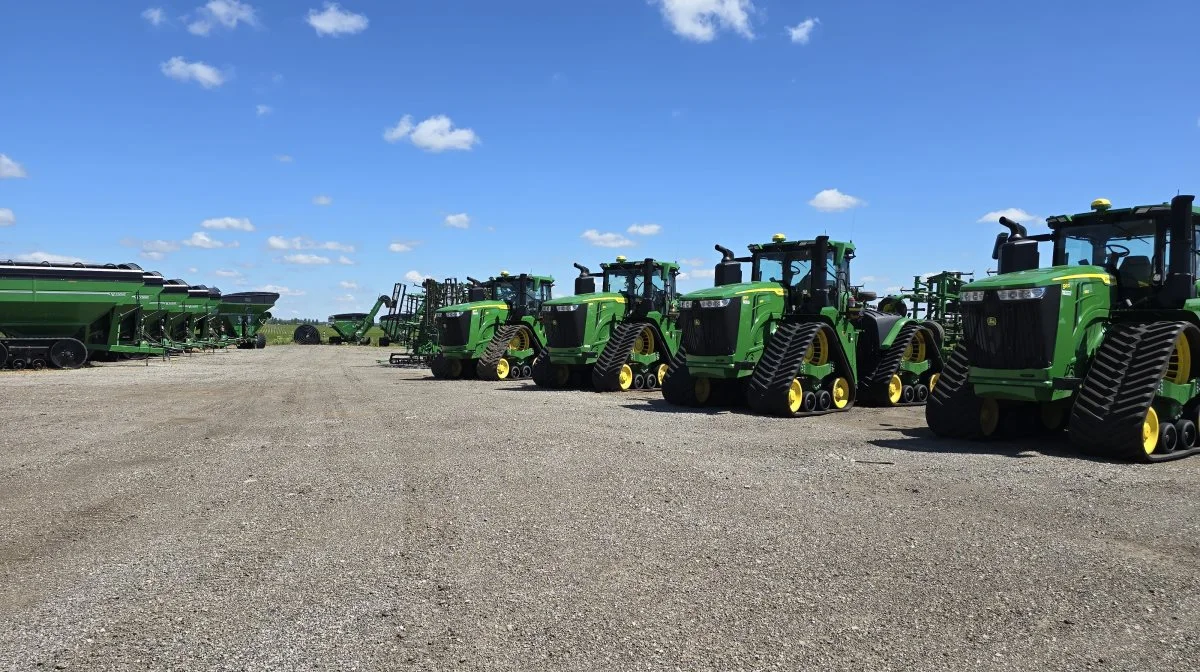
(260, 341)
(68, 353)
(306, 334)
(3, 356)
(384, 341)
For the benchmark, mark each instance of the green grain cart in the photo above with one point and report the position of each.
(1100, 342)
(242, 315)
(618, 339)
(348, 327)
(797, 339)
(497, 334)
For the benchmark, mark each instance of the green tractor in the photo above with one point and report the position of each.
(618, 339)
(496, 335)
(348, 327)
(797, 339)
(1099, 343)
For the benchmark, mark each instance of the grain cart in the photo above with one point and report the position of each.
(495, 335)
(618, 339)
(933, 299)
(796, 339)
(1100, 342)
(242, 315)
(58, 314)
(348, 327)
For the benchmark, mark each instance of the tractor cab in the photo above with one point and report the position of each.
(814, 273)
(647, 285)
(524, 294)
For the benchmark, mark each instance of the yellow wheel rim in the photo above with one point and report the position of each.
(1150, 431)
(561, 374)
(519, 342)
(455, 369)
(840, 392)
(502, 369)
(895, 389)
(662, 372)
(1180, 365)
(989, 416)
(702, 389)
(795, 395)
(916, 348)
(625, 377)
(818, 351)
(933, 380)
(644, 345)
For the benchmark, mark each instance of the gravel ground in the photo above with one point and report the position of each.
(305, 508)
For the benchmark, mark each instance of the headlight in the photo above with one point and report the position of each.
(971, 297)
(714, 303)
(685, 305)
(1021, 294)
(456, 313)
(566, 309)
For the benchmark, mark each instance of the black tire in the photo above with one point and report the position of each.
(639, 382)
(38, 364)
(651, 381)
(809, 403)
(921, 393)
(824, 400)
(1186, 429)
(440, 368)
(908, 394)
(18, 364)
(260, 341)
(306, 334)
(3, 356)
(365, 341)
(1168, 438)
(526, 371)
(68, 353)
(384, 341)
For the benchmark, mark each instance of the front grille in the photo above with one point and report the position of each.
(1011, 334)
(455, 331)
(711, 331)
(564, 329)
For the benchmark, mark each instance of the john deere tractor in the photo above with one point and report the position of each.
(496, 335)
(618, 339)
(797, 339)
(1099, 342)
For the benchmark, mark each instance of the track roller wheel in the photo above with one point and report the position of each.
(503, 369)
(795, 396)
(702, 390)
(824, 400)
(651, 381)
(625, 377)
(526, 371)
(989, 417)
(662, 373)
(1186, 429)
(1168, 437)
(895, 390)
(933, 381)
(1150, 431)
(639, 381)
(68, 353)
(444, 368)
(18, 364)
(37, 364)
(839, 393)
(908, 394)
(920, 392)
(1053, 415)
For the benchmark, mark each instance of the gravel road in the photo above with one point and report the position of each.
(306, 508)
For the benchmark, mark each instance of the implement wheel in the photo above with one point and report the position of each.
(68, 353)
(306, 334)
(260, 341)
(3, 356)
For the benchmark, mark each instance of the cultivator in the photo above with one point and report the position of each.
(933, 299)
(412, 327)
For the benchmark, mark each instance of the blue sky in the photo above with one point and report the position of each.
(127, 131)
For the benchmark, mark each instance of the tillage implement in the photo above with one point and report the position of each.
(617, 339)
(411, 326)
(934, 299)
(496, 335)
(1100, 342)
(797, 339)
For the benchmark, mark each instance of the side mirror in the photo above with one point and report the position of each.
(1001, 239)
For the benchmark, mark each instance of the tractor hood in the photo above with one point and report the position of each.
(595, 297)
(730, 291)
(475, 305)
(1040, 277)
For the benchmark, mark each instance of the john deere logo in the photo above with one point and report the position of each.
(991, 321)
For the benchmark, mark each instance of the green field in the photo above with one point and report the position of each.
(281, 334)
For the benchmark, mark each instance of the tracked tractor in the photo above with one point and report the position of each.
(496, 335)
(1100, 342)
(797, 339)
(618, 339)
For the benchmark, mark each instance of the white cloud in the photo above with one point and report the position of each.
(693, 262)
(202, 73)
(645, 229)
(606, 239)
(348, 284)
(156, 250)
(306, 259)
(345, 261)
(400, 247)
(280, 290)
(1015, 214)
(801, 32)
(682, 275)
(155, 16)
(202, 240)
(10, 169)
(228, 223)
(7, 218)
(345, 298)
(224, 13)
(867, 279)
(334, 21)
(703, 272)
(39, 257)
(284, 158)
(459, 221)
(227, 273)
(435, 134)
(832, 200)
(302, 243)
(262, 110)
(416, 277)
(322, 200)
(700, 20)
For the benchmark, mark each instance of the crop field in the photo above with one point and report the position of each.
(306, 508)
(281, 334)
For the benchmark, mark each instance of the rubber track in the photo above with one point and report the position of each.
(876, 383)
(1110, 406)
(953, 409)
(780, 362)
(496, 348)
(614, 356)
(678, 388)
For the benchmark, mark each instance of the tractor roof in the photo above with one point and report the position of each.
(779, 243)
(505, 276)
(624, 264)
(1102, 212)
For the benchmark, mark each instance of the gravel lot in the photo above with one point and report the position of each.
(305, 508)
